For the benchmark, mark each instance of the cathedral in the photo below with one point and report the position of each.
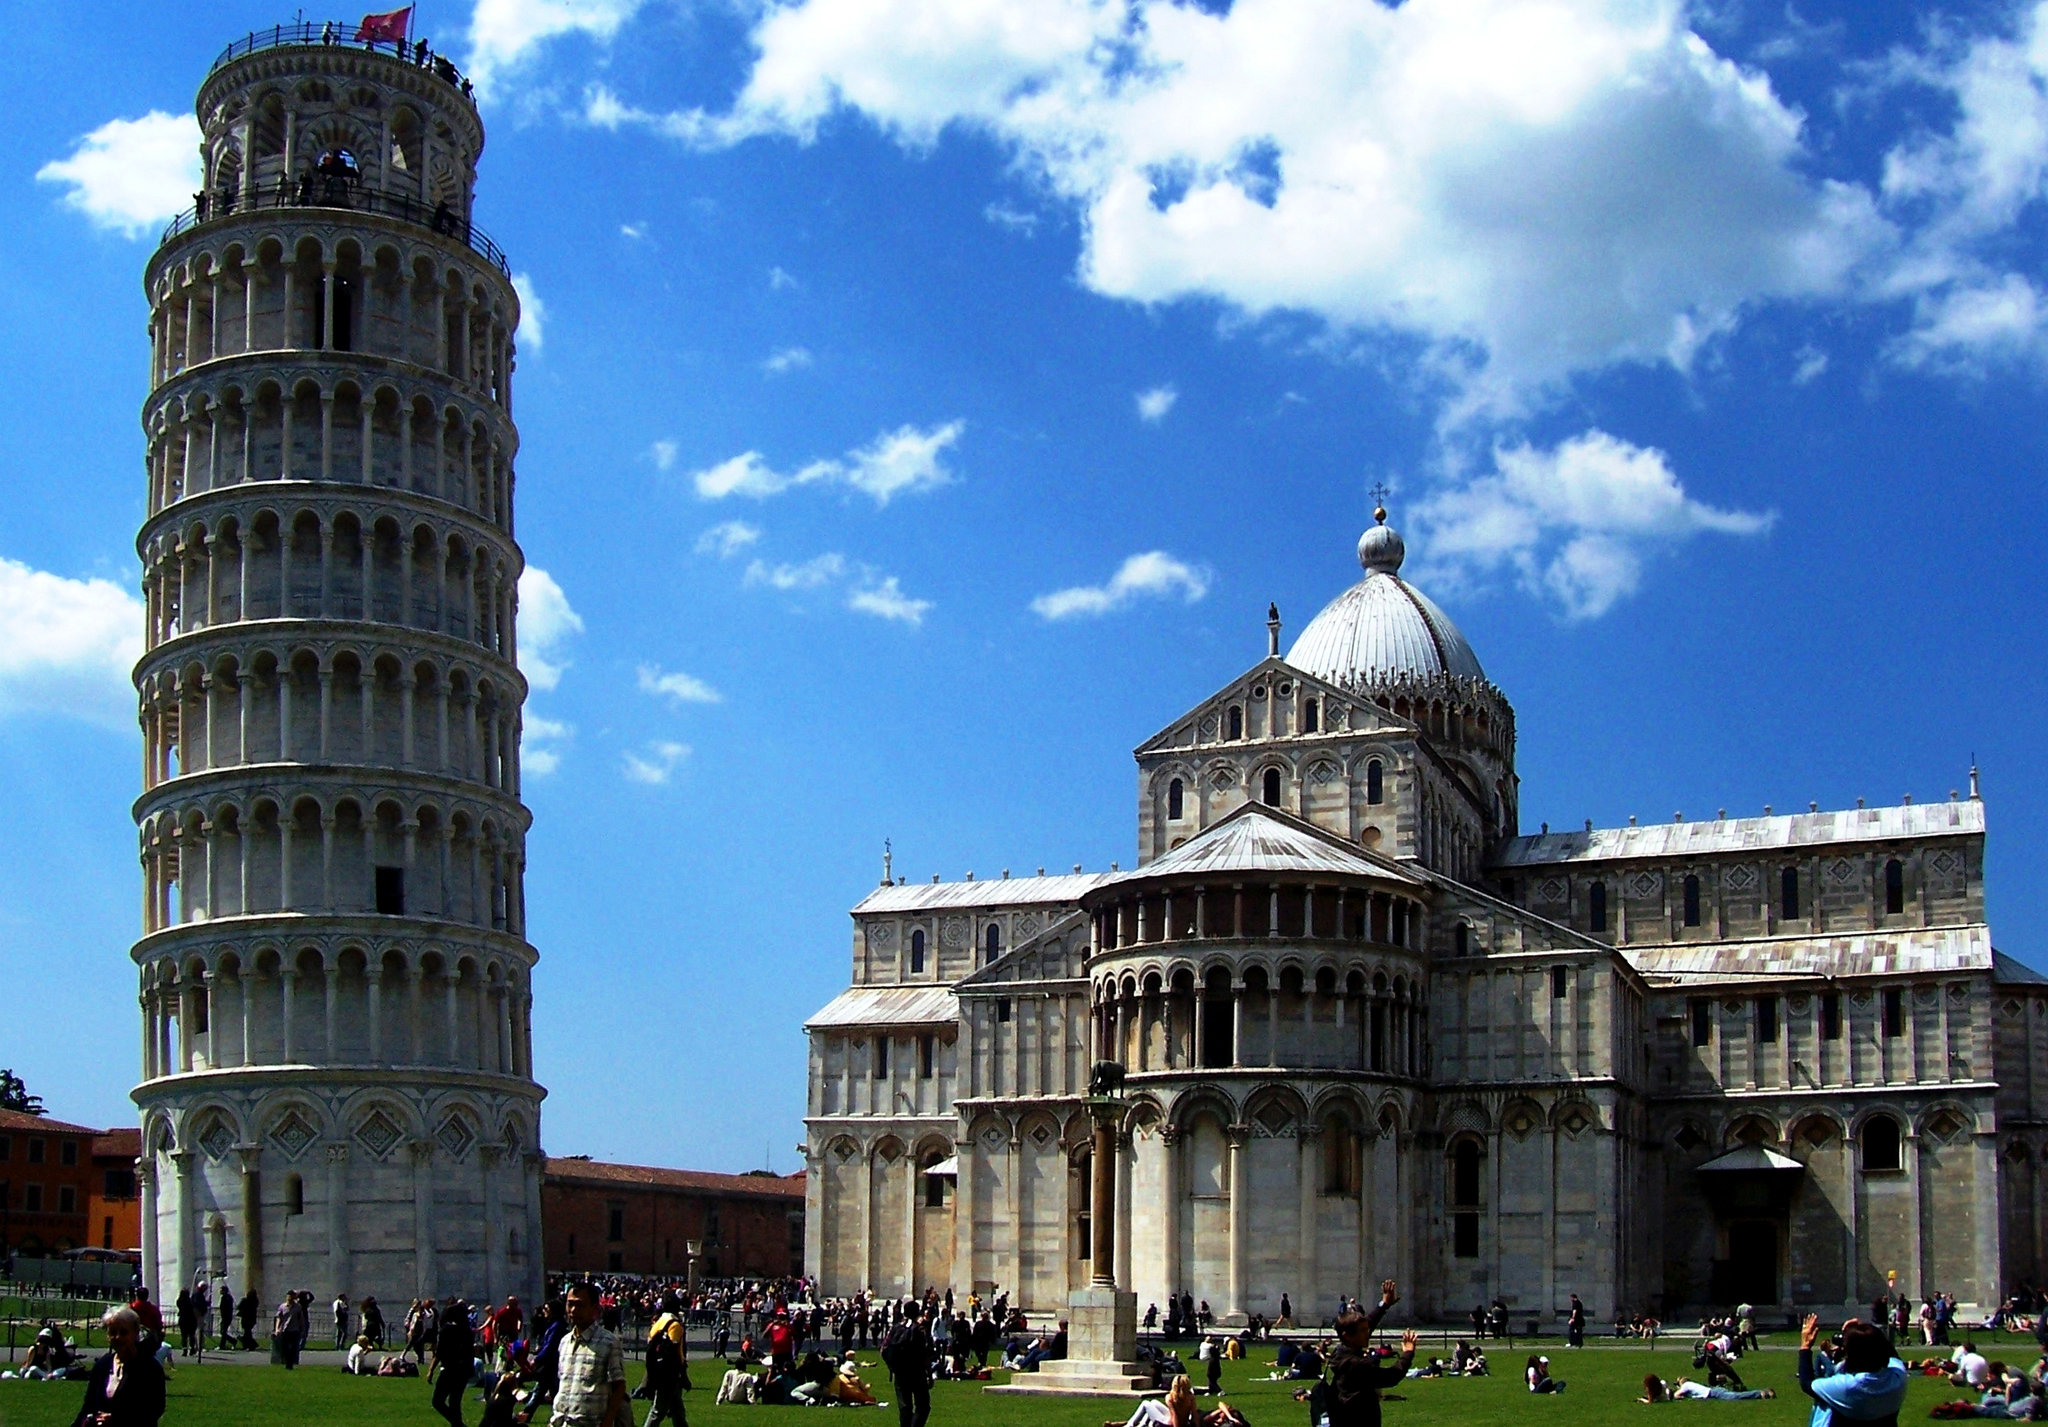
(1371, 1028)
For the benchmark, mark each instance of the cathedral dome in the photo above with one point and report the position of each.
(1383, 631)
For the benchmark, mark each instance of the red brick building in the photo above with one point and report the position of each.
(46, 1181)
(630, 1218)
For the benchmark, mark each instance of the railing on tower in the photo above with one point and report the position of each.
(317, 190)
(341, 32)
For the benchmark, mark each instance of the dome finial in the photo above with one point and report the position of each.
(1381, 549)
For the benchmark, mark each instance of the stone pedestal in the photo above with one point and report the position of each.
(1102, 1350)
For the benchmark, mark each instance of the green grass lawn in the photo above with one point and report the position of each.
(1603, 1383)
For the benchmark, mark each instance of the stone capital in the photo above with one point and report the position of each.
(337, 1152)
(1238, 1135)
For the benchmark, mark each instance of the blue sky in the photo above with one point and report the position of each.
(922, 399)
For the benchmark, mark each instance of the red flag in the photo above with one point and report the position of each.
(392, 25)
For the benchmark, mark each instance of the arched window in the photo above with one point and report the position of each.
(1894, 887)
(1880, 1144)
(1235, 722)
(1596, 906)
(992, 942)
(1375, 783)
(1692, 901)
(1462, 940)
(934, 1184)
(916, 953)
(294, 1195)
(1174, 799)
(1788, 895)
(1310, 716)
(1272, 788)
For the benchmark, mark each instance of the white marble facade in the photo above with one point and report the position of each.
(1371, 1029)
(337, 1088)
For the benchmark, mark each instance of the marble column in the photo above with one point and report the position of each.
(1239, 1137)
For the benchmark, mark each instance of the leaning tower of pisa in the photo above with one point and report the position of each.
(337, 1088)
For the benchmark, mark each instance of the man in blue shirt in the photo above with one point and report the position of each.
(1870, 1387)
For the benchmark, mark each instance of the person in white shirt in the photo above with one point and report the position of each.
(1972, 1370)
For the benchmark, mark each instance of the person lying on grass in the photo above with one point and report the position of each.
(1683, 1389)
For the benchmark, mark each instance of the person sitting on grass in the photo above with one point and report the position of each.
(1655, 1389)
(1871, 1385)
(1177, 1409)
(1433, 1368)
(356, 1366)
(1538, 1375)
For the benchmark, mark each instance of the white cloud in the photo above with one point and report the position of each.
(780, 279)
(67, 646)
(1966, 327)
(1812, 362)
(1151, 574)
(539, 753)
(635, 231)
(656, 765)
(546, 623)
(505, 33)
(787, 359)
(131, 174)
(886, 600)
(1573, 523)
(1532, 190)
(810, 574)
(678, 688)
(533, 314)
(1155, 403)
(868, 590)
(1016, 220)
(663, 454)
(727, 538)
(905, 460)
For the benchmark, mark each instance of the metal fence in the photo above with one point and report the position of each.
(341, 32)
(68, 1278)
(329, 191)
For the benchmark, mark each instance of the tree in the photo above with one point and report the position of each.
(14, 1095)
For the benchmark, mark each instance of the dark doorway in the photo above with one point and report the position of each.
(1750, 1272)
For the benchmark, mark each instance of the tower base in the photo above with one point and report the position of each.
(1102, 1351)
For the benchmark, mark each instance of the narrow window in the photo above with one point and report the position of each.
(32, 1198)
(992, 941)
(1831, 1015)
(1235, 722)
(1310, 715)
(1173, 800)
(1894, 1012)
(1462, 939)
(1465, 1199)
(1788, 895)
(1375, 783)
(1560, 983)
(1692, 901)
(1880, 1144)
(1003, 1011)
(198, 1029)
(1272, 789)
(294, 1195)
(881, 1058)
(1596, 906)
(1340, 1158)
(927, 1056)
(67, 1153)
(1894, 887)
(35, 1151)
(916, 953)
(934, 1188)
(615, 1222)
(1702, 1020)
(67, 1199)
(391, 891)
(1767, 1019)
